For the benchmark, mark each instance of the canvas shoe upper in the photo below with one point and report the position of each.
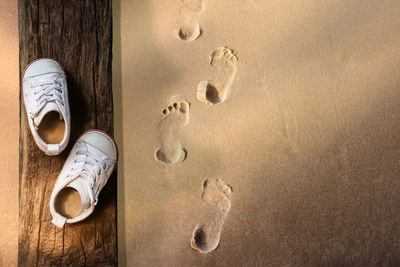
(44, 90)
(87, 170)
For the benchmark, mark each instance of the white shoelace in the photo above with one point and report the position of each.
(45, 92)
(91, 170)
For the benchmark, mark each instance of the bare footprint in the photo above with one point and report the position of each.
(224, 60)
(217, 195)
(190, 29)
(175, 118)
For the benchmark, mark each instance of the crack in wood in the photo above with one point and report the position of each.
(40, 224)
(83, 250)
(63, 242)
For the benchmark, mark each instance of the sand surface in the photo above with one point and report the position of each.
(286, 155)
(9, 132)
(308, 138)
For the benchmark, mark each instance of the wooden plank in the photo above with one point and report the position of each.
(77, 33)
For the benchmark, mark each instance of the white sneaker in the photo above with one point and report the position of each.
(87, 169)
(45, 95)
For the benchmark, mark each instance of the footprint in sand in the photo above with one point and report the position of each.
(217, 195)
(175, 118)
(224, 60)
(190, 29)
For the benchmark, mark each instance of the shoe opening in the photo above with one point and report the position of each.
(68, 203)
(51, 128)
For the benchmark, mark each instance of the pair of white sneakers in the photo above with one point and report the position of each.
(93, 157)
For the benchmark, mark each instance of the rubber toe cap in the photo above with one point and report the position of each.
(101, 141)
(43, 66)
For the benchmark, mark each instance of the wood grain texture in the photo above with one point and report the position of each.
(78, 34)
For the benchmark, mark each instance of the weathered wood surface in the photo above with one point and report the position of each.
(77, 33)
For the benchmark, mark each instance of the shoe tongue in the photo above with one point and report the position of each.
(80, 185)
(50, 106)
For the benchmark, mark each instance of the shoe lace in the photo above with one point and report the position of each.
(45, 92)
(91, 170)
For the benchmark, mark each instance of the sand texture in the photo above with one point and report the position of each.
(293, 104)
(224, 61)
(217, 196)
(9, 132)
(174, 118)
